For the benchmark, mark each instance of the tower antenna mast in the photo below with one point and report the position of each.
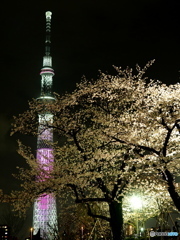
(47, 71)
(48, 33)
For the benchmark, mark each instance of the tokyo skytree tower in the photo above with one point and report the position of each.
(45, 212)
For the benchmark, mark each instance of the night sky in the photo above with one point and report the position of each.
(87, 36)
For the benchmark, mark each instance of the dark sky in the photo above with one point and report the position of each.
(87, 35)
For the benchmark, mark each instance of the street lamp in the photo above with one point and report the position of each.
(82, 232)
(31, 233)
(141, 231)
(136, 203)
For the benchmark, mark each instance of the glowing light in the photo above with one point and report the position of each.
(45, 213)
(48, 14)
(46, 97)
(47, 70)
(135, 202)
(47, 61)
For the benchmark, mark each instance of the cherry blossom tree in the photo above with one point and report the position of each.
(115, 134)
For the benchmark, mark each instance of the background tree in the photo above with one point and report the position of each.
(117, 132)
(74, 223)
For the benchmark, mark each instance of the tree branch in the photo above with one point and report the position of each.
(103, 188)
(96, 215)
(169, 131)
(85, 200)
(119, 181)
(74, 136)
(137, 145)
(167, 176)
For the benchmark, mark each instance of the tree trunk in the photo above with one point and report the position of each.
(116, 220)
(171, 188)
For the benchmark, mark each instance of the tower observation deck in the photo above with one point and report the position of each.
(45, 212)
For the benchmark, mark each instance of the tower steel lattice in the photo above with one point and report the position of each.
(45, 212)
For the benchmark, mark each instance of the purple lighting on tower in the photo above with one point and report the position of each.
(45, 214)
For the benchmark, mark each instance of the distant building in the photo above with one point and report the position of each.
(4, 232)
(129, 229)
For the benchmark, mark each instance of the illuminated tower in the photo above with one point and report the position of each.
(45, 213)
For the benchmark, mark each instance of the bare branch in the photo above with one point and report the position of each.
(137, 145)
(84, 200)
(96, 215)
(169, 132)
